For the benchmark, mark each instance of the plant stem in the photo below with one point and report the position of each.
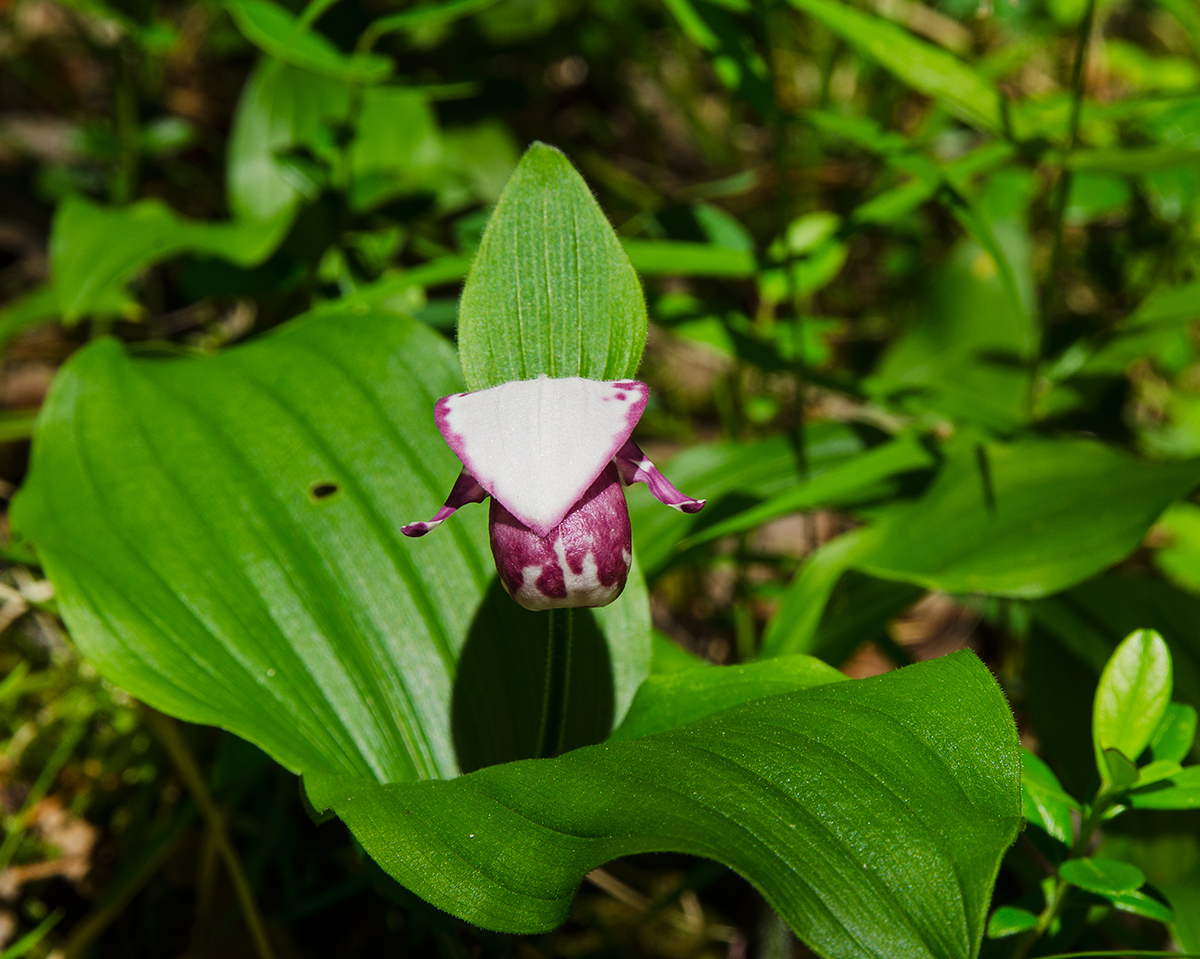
(553, 729)
(1058, 896)
(1063, 189)
(167, 733)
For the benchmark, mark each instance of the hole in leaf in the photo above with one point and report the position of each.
(320, 491)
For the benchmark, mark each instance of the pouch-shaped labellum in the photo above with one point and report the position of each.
(552, 454)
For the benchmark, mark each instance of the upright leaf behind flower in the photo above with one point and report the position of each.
(551, 290)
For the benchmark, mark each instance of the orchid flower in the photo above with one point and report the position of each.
(552, 454)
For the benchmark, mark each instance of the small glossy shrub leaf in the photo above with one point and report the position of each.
(1010, 920)
(1180, 791)
(1119, 771)
(551, 290)
(1043, 800)
(1139, 904)
(1133, 695)
(1102, 876)
(1173, 739)
(1156, 771)
(872, 814)
(224, 537)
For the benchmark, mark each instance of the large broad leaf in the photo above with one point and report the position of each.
(1025, 519)
(95, 250)
(551, 290)
(872, 814)
(1010, 519)
(224, 537)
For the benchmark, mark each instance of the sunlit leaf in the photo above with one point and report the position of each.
(551, 290)
(1134, 693)
(224, 538)
(1102, 876)
(278, 33)
(854, 806)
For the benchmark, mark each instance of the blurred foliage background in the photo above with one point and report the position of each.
(838, 243)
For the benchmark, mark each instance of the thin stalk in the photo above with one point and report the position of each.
(1078, 82)
(785, 206)
(167, 733)
(1058, 895)
(124, 175)
(20, 822)
(553, 729)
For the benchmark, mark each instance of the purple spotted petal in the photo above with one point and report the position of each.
(583, 562)
(465, 491)
(538, 445)
(635, 467)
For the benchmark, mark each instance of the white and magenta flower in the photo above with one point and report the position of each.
(552, 454)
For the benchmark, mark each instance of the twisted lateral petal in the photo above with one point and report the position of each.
(635, 467)
(464, 491)
(583, 562)
(538, 445)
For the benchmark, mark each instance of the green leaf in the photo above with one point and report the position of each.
(728, 475)
(859, 611)
(919, 64)
(95, 251)
(1102, 876)
(1010, 920)
(1119, 771)
(966, 355)
(1139, 904)
(37, 306)
(679, 699)
(833, 487)
(224, 537)
(551, 290)
(425, 17)
(1173, 739)
(872, 814)
(396, 149)
(679, 258)
(276, 32)
(1157, 770)
(281, 108)
(1180, 791)
(1008, 519)
(794, 627)
(1166, 847)
(1133, 695)
(667, 656)
(1043, 800)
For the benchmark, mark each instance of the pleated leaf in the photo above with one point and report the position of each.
(872, 814)
(551, 290)
(224, 537)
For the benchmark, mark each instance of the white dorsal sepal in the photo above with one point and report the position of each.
(537, 445)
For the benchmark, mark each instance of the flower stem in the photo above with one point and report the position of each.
(167, 733)
(1063, 187)
(1058, 896)
(553, 729)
